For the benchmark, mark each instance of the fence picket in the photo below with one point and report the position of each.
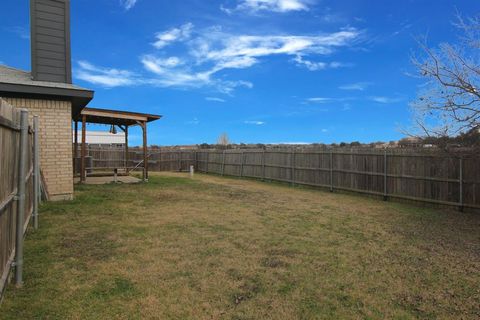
(385, 175)
(331, 171)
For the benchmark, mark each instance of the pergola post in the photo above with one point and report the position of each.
(75, 146)
(83, 172)
(145, 160)
(126, 148)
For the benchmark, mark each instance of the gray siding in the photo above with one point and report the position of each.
(50, 37)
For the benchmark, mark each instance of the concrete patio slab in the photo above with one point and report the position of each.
(109, 179)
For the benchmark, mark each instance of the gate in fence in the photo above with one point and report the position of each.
(19, 187)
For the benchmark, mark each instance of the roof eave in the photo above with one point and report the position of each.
(79, 97)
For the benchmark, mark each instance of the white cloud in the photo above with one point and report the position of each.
(384, 100)
(316, 66)
(169, 62)
(336, 64)
(255, 122)
(211, 51)
(128, 4)
(320, 100)
(254, 6)
(235, 63)
(184, 77)
(104, 76)
(310, 65)
(21, 32)
(359, 86)
(194, 121)
(345, 101)
(159, 65)
(170, 36)
(324, 130)
(405, 26)
(333, 18)
(228, 87)
(215, 99)
(325, 100)
(207, 53)
(166, 74)
(215, 45)
(169, 75)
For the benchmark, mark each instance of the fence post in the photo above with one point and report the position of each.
(36, 171)
(243, 160)
(83, 172)
(208, 161)
(460, 181)
(179, 161)
(21, 196)
(331, 171)
(292, 156)
(385, 190)
(195, 160)
(223, 163)
(263, 165)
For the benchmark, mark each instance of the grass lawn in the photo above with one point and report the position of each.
(221, 248)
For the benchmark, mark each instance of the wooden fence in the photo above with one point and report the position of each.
(106, 158)
(19, 187)
(427, 177)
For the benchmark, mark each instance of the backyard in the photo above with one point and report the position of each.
(224, 248)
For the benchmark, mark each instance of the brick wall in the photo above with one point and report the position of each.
(55, 122)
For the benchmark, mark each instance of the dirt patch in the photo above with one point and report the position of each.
(290, 253)
(274, 262)
(247, 290)
(113, 287)
(93, 246)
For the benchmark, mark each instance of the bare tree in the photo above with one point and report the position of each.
(223, 139)
(449, 103)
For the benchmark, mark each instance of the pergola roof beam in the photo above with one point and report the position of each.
(115, 117)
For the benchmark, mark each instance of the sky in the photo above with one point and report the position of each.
(263, 71)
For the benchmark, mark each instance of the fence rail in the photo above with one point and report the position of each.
(427, 177)
(19, 187)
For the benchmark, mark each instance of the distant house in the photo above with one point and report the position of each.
(410, 142)
(102, 138)
(47, 91)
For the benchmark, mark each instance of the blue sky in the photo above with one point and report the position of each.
(265, 71)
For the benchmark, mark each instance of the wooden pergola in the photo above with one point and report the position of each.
(121, 119)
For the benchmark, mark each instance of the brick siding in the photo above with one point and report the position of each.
(55, 122)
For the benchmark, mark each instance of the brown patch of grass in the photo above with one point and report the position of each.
(92, 246)
(274, 262)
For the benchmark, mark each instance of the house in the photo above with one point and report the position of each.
(47, 91)
(101, 138)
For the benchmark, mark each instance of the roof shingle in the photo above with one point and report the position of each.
(16, 76)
